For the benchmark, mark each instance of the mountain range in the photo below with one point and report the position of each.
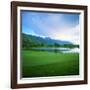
(37, 40)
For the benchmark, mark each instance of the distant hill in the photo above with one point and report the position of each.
(53, 41)
(30, 40)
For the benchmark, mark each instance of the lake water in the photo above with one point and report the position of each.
(63, 50)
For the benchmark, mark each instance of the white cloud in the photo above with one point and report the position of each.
(70, 34)
(52, 27)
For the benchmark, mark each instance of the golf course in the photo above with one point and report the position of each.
(44, 63)
(50, 43)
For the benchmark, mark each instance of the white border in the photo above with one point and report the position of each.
(57, 78)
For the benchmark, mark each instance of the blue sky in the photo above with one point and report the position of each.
(61, 26)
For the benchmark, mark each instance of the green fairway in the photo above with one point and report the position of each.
(44, 63)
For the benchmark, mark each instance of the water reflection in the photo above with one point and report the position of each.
(63, 50)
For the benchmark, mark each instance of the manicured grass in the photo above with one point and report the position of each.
(43, 64)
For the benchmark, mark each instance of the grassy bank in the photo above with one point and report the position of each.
(42, 64)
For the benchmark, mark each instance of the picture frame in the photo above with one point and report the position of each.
(41, 11)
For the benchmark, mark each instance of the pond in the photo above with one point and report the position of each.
(63, 50)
